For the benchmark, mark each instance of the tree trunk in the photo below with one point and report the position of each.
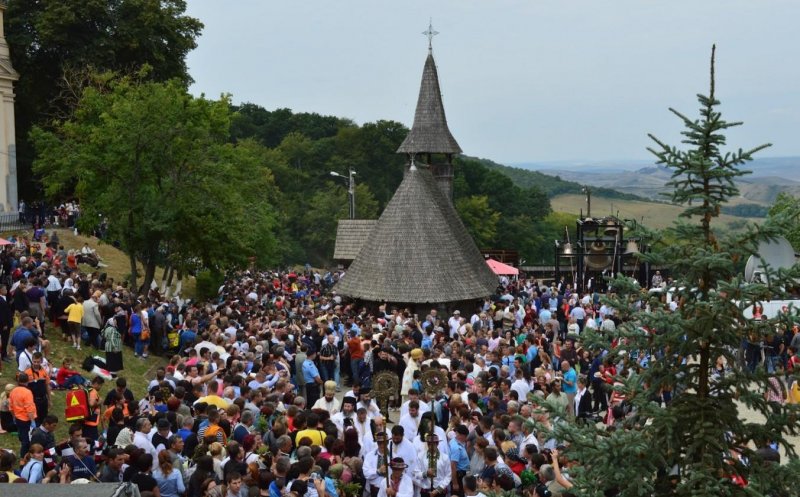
(149, 276)
(168, 290)
(179, 284)
(134, 275)
(164, 279)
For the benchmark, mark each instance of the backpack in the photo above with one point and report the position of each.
(88, 364)
(76, 405)
(212, 431)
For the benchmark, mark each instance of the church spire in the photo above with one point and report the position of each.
(430, 33)
(429, 134)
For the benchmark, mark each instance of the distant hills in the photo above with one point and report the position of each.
(552, 183)
(645, 180)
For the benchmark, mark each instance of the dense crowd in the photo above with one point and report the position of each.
(268, 388)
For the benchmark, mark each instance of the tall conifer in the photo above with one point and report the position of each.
(700, 443)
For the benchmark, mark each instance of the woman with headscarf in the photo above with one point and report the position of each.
(113, 346)
(69, 286)
(414, 360)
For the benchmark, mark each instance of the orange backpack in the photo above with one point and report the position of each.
(212, 431)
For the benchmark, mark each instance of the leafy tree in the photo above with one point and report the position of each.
(157, 163)
(700, 433)
(479, 219)
(55, 43)
(297, 148)
(320, 218)
(550, 230)
(270, 127)
(522, 210)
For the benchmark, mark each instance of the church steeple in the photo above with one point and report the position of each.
(430, 138)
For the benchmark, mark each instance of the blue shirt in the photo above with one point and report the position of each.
(330, 487)
(310, 371)
(187, 337)
(82, 468)
(169, 485)
(18, 339)
(274, 491)
(508, 360)
(533, 351)
(572, 377)
(545, 316)
(184, 433)
(458, 454)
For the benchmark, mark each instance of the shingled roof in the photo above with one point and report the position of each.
(351, 234)
(430, 133)
(419, 252)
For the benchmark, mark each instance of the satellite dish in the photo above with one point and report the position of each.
(777, 254)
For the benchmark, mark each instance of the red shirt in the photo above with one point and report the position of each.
(356, 348)
(63, 374)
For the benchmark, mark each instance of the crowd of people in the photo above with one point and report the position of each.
(268, 389)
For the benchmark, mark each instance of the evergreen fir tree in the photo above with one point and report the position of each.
(698, 443)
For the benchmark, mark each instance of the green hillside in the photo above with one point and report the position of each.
(552, 185)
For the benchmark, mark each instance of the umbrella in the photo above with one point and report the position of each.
(501, 269)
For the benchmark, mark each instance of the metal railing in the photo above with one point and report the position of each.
(11, 221)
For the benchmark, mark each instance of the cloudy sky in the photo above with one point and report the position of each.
(522, 80)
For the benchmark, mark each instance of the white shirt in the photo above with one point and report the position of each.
(370, 467)
(338, 420)
(423, 408)
(444, 446)
(529, 440)
(406, 451)
(25, 360)
(333, 407)
(141, 440)
(410, 425)
(406, 488)
(454, 322)
(372, 408)
(443, 471)
(522, 388)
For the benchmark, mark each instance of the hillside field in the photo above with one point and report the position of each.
(651, 214)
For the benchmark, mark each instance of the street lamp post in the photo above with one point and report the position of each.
(351, 189)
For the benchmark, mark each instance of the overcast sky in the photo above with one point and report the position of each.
(522, 81)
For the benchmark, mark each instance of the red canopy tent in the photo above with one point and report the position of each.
(501, 269)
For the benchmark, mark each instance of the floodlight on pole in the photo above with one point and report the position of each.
(351, 189)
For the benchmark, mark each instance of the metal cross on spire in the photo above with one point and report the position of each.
(430, 33)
